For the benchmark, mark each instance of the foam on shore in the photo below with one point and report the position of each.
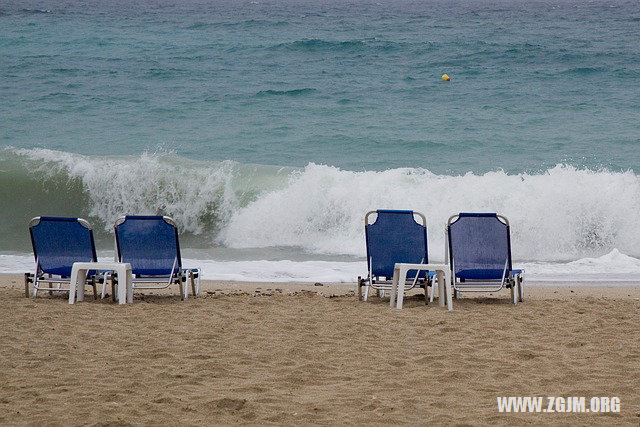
(612, 267)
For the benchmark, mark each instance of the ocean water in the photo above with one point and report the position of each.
(268, 128)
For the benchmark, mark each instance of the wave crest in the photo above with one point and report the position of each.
(199, 196)
(562, 214)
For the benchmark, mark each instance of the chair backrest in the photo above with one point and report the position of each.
(479, 245)
(58, 242)
(149, 243)
(395, 237)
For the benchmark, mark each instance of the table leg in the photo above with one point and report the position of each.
(394, 285)
(402, 279)
(72, 285)
(122, 285)
(80, 281)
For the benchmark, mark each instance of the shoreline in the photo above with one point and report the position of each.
(614, 269)
(540, 290)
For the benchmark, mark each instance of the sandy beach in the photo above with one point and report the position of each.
(256, 353)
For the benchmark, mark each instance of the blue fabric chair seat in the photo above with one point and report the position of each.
(480, 250)
(58, 242)
(394, 237)
(150, 244)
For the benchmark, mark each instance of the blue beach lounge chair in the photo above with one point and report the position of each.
(394, 237)
(150, 244)
(479, 250)
(57, 243)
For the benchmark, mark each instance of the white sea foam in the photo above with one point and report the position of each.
(258, 270)
(612, 267)
(189, 191)
(560, 215)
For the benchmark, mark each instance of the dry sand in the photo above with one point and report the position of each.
(292, 356)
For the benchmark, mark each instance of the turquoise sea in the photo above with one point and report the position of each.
(268, 128)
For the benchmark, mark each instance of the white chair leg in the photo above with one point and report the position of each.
(366, 293)
(514, 293)
(381, 293)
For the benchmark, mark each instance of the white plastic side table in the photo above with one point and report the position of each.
(400, 276)
(79, 276)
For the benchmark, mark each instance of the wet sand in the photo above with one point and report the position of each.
(255, 353)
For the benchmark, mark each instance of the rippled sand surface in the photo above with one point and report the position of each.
(286, 354)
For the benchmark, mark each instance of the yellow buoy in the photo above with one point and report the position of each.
(446, 77)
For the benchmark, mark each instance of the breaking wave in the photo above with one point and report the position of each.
(559, 215)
